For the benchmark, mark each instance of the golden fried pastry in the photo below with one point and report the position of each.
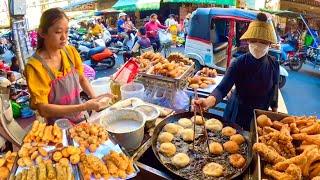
(57, 156)
(292, 173)
(214, 125)
(267, 153)
(213, 169)
(237, 160)
(198, 119)
(215, 148)
(92, 148)
(4, 172)
(231, 147)
(74, 159)
(165, 137)
(167, 149)
(228, 131)
(238, 138)
(42, 152)
(2, 161)
(187, 135)
(263, 121)
(171, 128)
(180, 160)
(64, 162)
(184, 122)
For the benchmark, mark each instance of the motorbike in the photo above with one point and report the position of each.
(312, 55)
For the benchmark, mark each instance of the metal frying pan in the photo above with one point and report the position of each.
(173, 119)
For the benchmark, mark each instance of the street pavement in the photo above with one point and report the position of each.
(301, 92)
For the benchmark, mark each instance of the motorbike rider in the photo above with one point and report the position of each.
(143, 42)
(254, 74)
(152, 27)
(55, 73)
(121, 27)
(291, 43)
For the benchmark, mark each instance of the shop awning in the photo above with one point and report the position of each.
(148, 5)
(78, 3)
(125, 5)
(137, 5)
(220, 2)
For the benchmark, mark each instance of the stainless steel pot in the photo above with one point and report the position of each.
(128, 133)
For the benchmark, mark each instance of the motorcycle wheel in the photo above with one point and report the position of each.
(295, 64)
(110, 62)
(282, 81)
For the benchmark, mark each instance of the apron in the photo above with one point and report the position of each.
(64, 90)
(242, 114)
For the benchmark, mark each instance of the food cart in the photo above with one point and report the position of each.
(73, 148)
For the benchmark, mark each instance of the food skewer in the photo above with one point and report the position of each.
(203, 125)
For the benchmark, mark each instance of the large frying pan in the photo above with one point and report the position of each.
(174, 118)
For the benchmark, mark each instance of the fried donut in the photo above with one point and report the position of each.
(228, 131)
(165, 137)
(237, 160)
(171, 128)
(187, 134)
(184, 122)
(180, 160)
(213, 169)
(231, 147)
(238, 138)
(215, 148)
(263, 121)
(199, 120)
(214, 125)
(168, 149)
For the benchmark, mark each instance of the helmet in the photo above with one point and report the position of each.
(122, 14)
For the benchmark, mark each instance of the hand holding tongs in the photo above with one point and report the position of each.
(203, 120)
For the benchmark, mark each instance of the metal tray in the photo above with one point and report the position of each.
(258, 171)
(175, 118)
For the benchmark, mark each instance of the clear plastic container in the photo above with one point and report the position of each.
(132, 90)
(101, 85)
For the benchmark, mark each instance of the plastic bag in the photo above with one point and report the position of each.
(181, 100)
(127, 72)
(164, 37)
(89, 72)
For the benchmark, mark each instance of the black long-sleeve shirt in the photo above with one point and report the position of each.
(256, 82)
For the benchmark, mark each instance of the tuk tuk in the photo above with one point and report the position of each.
(212, 32)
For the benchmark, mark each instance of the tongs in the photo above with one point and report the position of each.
(203, 120)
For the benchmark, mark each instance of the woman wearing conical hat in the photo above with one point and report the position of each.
(254, 74)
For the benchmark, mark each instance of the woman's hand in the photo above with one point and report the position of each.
(92, 105)
(204, 103)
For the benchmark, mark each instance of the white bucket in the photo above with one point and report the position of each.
(132, 90)
(101, 85)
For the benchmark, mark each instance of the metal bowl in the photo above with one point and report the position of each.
(126, 126)
(150, 112)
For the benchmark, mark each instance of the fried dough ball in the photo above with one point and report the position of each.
(165, 137)
(237, 160)
(171, 128)
(168, 149)
(187, 134)
(228, 131)
(214, 125)
(184, 122)
(180, 160)
(199, 120)
(57, 156)
(231, 147)
(215, 148)
(238, 138)
(263, 121)
(64, 162)
(213, 169)
(74, 159)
